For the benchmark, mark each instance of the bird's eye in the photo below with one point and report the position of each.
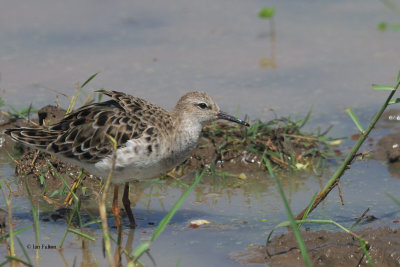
(202, 105)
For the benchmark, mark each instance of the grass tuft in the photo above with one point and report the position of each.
(292, 222)
(282, 141)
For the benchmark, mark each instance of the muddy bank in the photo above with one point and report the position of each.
(387, 148)
(327, 249)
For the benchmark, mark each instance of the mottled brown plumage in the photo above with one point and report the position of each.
(82, 135)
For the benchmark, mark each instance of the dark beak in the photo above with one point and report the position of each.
(222, 115)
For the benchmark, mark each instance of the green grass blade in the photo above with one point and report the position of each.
(380, 87)
(176, 206)
(20, 230)
(24, 251)
(398, 77)
(293, 223)
(308, 209)
(63, 180)
(354, 117)
(68, 227)
(366, 253)
(394, 101)
(11, 258)
(306, 119)
(10, 223)
(94, 221)
(167, 218)
(78, 91)
(179, 262)
(88, 80)
(99, 95)
(81, 234)
(395, 200)
(237, 112)
(266, 12)
(4, 262)
(139, 250)
(35, 213)
(16, 113)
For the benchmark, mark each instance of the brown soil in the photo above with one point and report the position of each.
(327, 249)
(388, 147)
(34, 164)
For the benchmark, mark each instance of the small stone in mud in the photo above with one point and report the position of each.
(198, 223)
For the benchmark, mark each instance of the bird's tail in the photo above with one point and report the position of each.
(34, 137)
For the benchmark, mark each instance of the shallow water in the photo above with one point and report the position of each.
(326, 56)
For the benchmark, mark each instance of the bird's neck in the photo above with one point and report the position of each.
(187, 132)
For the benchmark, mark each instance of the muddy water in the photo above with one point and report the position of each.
(325, 55)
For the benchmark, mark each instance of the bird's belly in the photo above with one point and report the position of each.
(135, 170)
(142, 165)
(131, 171)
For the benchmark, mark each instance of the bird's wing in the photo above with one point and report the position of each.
(83, 134)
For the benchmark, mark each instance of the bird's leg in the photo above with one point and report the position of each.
(116, 212)
(127, 205)
(115, 209)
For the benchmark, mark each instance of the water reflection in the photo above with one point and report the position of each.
(266, 62)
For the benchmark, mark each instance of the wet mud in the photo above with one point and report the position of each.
(387, 148)
(327, 249)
